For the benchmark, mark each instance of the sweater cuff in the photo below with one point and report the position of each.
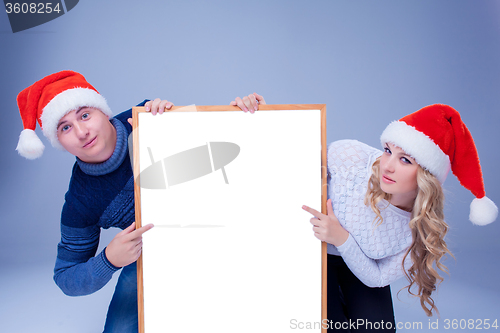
(343, 248)
(103, 267)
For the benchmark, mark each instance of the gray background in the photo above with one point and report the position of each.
(371, 62)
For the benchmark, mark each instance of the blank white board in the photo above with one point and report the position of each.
(232, 250)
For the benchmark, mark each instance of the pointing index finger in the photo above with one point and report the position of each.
(313, 211)
(143, 229)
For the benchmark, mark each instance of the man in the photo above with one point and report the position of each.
(76, 118)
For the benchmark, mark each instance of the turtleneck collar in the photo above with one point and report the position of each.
(116, 159)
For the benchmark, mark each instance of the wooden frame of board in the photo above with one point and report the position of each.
(262, 108)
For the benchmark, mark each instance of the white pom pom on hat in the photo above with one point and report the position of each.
(436, 137)
(483, 211)
(47, 101)
(29, 145)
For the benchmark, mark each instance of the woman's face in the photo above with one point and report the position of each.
(398, 176)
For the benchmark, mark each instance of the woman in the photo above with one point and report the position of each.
(385, 213)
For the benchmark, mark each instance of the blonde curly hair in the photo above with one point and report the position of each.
(428, 230)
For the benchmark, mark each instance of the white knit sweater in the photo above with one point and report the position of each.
(373, 253)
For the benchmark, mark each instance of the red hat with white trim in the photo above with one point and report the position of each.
(47, 101)
(438, 140)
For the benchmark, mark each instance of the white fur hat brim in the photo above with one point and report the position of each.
(419, 146)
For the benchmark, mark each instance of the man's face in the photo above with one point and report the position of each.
(87, 134)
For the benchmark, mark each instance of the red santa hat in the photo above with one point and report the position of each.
(438, 140)
(47, 101)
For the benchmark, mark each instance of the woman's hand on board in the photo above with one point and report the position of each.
(249, 103)
(327, 228)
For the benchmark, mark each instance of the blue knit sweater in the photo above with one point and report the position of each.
(99, 196)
